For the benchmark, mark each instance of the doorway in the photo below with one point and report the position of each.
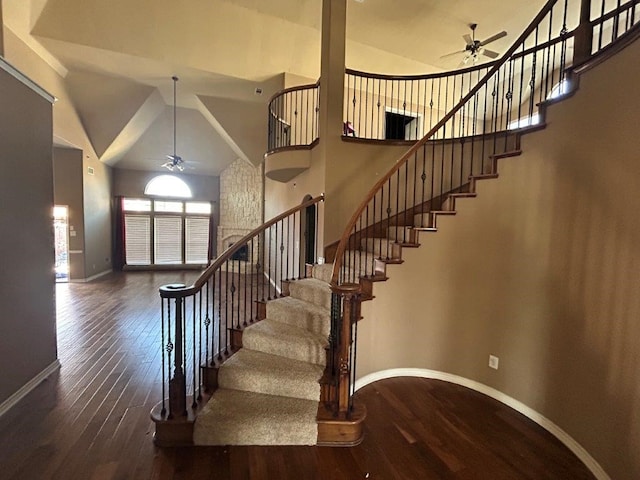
(402, 125)
(308, 234)
(61, 240)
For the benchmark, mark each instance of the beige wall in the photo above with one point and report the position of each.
(541, 269)
(68, 190)
(352, 173)
(27, 307)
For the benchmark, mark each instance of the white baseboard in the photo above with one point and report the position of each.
(27, 387)
(540, 419)
(92, 278)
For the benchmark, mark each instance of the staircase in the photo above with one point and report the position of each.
(268, 392)
(286, 376)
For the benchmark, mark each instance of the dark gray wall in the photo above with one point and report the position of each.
(27, 305)
(67, 190)
(97, 216)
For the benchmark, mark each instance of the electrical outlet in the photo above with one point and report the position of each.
(493, 362)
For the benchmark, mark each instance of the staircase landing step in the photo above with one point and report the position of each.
(234, 417)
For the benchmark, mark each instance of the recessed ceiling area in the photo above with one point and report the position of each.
(118, 61)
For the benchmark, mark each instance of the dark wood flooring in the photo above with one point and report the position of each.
(91, 419)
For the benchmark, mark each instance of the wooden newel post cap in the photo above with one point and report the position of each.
(346, 289)
(172, 290)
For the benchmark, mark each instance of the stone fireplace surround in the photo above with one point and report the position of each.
(228, 236)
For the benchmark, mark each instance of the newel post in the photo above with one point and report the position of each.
(348, 296)
(583, 39)
(175, 348)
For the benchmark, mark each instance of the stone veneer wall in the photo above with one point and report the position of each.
(240, 201)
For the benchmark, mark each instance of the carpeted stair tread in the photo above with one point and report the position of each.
(299, 313)
(277, 338)
(260, 372)
(233, 417)
(311, 290)
(323, 272)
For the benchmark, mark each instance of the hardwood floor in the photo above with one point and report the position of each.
(91, 419)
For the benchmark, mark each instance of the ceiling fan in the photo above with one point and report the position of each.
(174, 162)
(474, 48)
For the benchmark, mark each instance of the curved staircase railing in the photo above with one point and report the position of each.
(201, 323)
(460, 149)
(403, 107)
(293, 117)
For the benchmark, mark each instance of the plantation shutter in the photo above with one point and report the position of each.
(137, 239)
(196, 240)
(168, 240)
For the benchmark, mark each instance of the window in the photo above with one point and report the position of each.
(167, 186)
(166, 232)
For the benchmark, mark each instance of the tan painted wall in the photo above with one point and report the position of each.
(68, 190)
(353, 172)
(541, 269)
(27, 307)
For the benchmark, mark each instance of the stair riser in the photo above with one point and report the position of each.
(309, 320)
(320, 296)
(251, 381)
(382, 248)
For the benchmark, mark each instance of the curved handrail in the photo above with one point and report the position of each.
(293, 116)
(420, 76)
(175, 292)
(284, 91)
(342, 246)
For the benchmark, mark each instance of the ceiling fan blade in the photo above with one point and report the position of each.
(493, 38)
(490, 53)
(453, 53)
(467, 39)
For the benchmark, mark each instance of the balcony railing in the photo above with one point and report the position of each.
(293, 117)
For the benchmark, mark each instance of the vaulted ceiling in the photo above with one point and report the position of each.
(118, 56)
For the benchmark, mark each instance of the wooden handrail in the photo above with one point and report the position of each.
(420, 76)
(284, 91)
(344, 239)
(175, 292)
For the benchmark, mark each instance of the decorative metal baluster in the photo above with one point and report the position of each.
(423, 177)
(378, 104)
(280, 277)
(195, 383)
(268, 266)
(253, 295)
(288, 247)
(207, 323)
(366, 107)
(163, 412)
(509, 98)
(388, 214)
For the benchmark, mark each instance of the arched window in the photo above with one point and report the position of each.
(167, 186)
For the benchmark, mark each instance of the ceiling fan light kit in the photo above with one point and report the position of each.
(474, 48)
(174, 162)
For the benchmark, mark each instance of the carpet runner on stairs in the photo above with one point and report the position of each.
(268, 392)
